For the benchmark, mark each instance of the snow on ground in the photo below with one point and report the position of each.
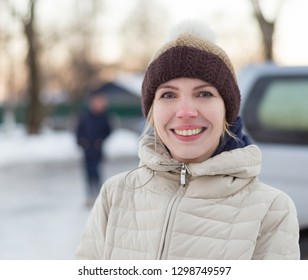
(16, 147)
(42, 209)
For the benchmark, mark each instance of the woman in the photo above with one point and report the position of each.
(196, 194)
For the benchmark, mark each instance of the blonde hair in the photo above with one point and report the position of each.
(149, 125)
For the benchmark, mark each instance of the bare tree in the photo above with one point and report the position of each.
(34, 112)
(140, 33)
(76, 39)
(80, 43)
(267, 28)
(34, 108)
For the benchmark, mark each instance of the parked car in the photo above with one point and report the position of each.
(275, 114)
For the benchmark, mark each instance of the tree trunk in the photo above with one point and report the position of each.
(34, 109)
(267, 30)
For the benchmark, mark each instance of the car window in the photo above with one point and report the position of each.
(276, 110)
(285, 105)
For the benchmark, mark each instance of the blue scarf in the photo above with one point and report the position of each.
(228, 143)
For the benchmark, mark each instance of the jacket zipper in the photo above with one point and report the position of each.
(183, 174)
(171, 211)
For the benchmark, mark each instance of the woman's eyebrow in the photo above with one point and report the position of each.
(175, 87)
(167, 86)
(202, 86)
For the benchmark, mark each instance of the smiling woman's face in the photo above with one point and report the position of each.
(189, 117)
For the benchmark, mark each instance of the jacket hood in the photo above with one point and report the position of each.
(240, 163)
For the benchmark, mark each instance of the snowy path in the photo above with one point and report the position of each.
(42, 210)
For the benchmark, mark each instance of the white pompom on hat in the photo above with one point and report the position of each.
(193, 27)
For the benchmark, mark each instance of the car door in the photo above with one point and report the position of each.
(275, 114)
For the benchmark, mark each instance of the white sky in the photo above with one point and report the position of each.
(228, 17)
(231, 20)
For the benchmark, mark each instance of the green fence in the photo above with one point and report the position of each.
(67, 110)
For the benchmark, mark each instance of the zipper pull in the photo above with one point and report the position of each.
(183, 174)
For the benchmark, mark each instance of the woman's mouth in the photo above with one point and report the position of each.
(189, 132)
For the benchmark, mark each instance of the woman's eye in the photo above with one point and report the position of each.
(167, 95)
(205, 94)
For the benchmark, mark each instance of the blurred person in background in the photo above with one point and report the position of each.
(93, 128)
(196, 192)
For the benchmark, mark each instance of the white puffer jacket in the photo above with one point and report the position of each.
(217, 209)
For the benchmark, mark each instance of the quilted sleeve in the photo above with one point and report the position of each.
(279, 233)
(91, 246)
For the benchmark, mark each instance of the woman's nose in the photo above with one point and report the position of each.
(186, 109)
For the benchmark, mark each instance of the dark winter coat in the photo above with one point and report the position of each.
(92, 130)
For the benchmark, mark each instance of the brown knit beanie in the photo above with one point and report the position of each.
(190, 55)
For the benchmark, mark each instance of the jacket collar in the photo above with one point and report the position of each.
(228, 143)
(241, 162)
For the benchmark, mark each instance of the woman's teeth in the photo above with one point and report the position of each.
(188, 132)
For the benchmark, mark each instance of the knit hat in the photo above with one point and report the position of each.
(191, 54)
